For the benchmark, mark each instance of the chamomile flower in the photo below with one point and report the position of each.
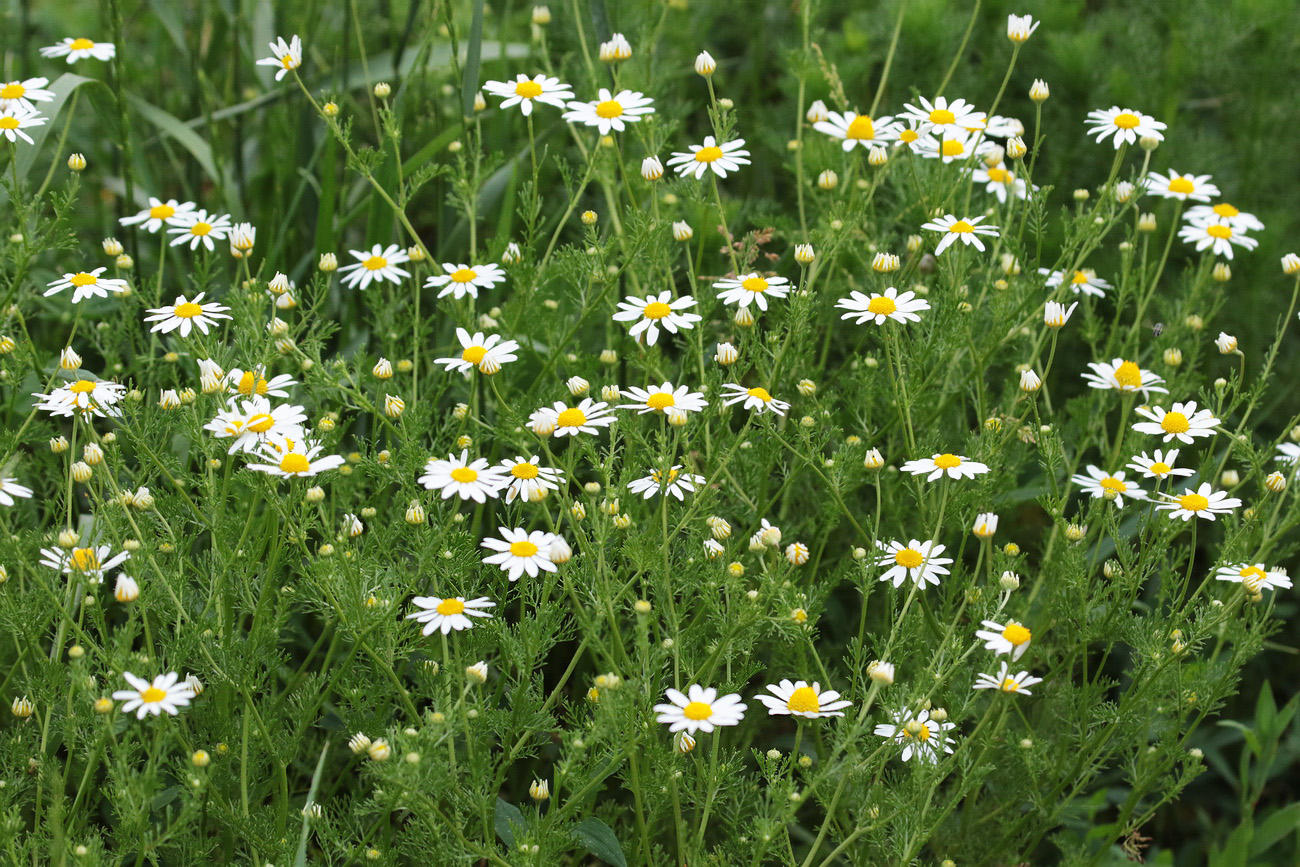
(471, 480)
(751, 288)
(184, 316)
(955, 466)
(1123, 126)
(524, 91)
(198, 227)
(908, 132)
(285, 56)
(167, 692)
(377, 265)
(900, 307)
(700, 709)
(801, 700)
(919, 735)
(1254, 576)
(14, 119)
(1219, 238)
(1013, 638)
(664, 398)
(967, 231)
(917, 560)
(586, 417)
(1001, 182)
(1160, 467)
(80, 48)
(711, 156)
(485, 353)
(677, 484)
(152, 218)
(254, 381)
(9, 488)
(89, 563)
(999, 126)
(953, 146)
(292, 457)
(518, 551)
(858, 130)
(23, 94)
(611, 111)
(1183, 422)
(946, 118)
(1084, 280)
(756, 399)
(653, 312)
(1196, 188)
(1122, 375)
(89, 397)
(1102, 485)
(1204, 502)
(527, 480)
(444, 615)
(86, 284)
(1288, 454)
(250, 423)
(1240, 221)
(1056, 314)
(1005, 681)
(461, 280)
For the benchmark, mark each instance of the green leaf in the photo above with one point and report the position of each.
(473, 61)
(263, 35)
(300, 860)
(170, 125)
(62, 88)
(1279, 824)
(506, 818)
(600, 841)
(1235, 847)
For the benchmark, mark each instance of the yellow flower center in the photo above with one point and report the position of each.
(473, 354)
(1174, 423)
(1126, 120)
(260, 423)
(881, 306)
(947, 461)
(84, 560)
(287, 61)
(1160, 468)
(1252, 572)
(83, 279)
(1181, 185)
(658, 476)
(572, 417)
(609, 108)
(82, 386)
(161, 212)
(803, 700)
(528, 89)
(374, 263)
(757, 285)
(1128, 375)
(697, 710)
(153, 695)
(448, 607)
(1016, 634)
(942, 116)
(188, 310)
(961, 227)
(1001, 176)
(660, 400)
(82, 44)
(464, 474)
(1079, 278)
(12, 91)
(953, 148)
(1111, 483)
(909, 558)
(522, 549)
(656, 310)
(295, 463)
(463, 275)
(524, 470)
(923, 735)
(8, 122)
(760, 393)
(1010, 685)
(1193, 502)
(1223, 209)
(861, 128)
(1221, 232)
(708, 155)
(908, 136)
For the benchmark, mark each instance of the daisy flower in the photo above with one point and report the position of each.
(471, 480)
(167, 693)
(527, 480)
(519, 551)
(1001, 182)
(86, 285)
(1085, 281)
(89, 396)
(151, 219)
(444, 615)
(379, 264)
(677, 484)
(1204, 502)
(1159, 467)
(461, 280)
(946, 118)
(664, 398)
(77, 49)
(919, 735)
(891, 305)
(968, 231)
(1288, 454)
(999, 126)
(1196, 188)
(1056, 314)
(1254, 576)
(524, 91)
(485, 353)
(1183, 422)
(1007, 682)
(959, 146)
(9, 488)
(14, 119)
(22, 94)
(1204, 215)
(1013, 638)
(586, 417)
(748, 288)
(611, 111)
(198, 227)
(91, 563)
(185, 315)
(285, 56)
(249, 382)
(756, 399)
(1218, 237)
(858, 130)
(1126, 125)
(654, 312)
(294, 458)
(800, 699)
(1124, 376)
(1102, 485)
(252, 422)
(917, 560)
(699, 710)
(710, 156)
(956, 466)
(908, 132)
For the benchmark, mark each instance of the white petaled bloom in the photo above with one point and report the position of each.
(198, 227)
(22, 94)
(1125, 125)
(1056, 314)
(9, 489)
(471, 480)
(817, 112)
(955, 466)
(1204, 215)
(379, 264)
(713, 549)
(711, 156)
(1012, 638)
(856, 130)
(1255, 577)
(705, 64)
(1021, 27)
(616, 49)
(79, 49)
(88, 563)
(652, 169)
(999, 126)
(86, 284)
(285, 56)
(664, 398)
(751, 289)
(1183, 422)
(518, 551)
(877, 307)
(1005, 681)
(167, 692)
(1196, 188)
(1288, 454)
(253, 422)
(444, 615)
(699, 709)
(1159, 467)
(527, 480)
(756, 399)
(126, 589)
(917, 560)
(485, 353)
(1001, 182)
(152, 218)
(968, 231)
(653, 312)
(1084, 280)
(797, 553)
(953, 146)
(945, 118)
(459, 280)
(1102, 485)
(89, 397)
(986, 525)
(919, 735)
(184, 316)
(611, 111)
(249, 382)
(1219, 238)
(801, 700)
(524, 91)
(675, 483)
(293, 458)
(567, 420)
(1204, 502)
(1123, 376)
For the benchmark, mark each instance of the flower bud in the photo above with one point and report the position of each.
(1276, 482)
(22, 707)
(1173, 356)
(1075, 532)
(540, 790)
(415, 514)
(541, 16)
(652, 169)
(1230, 479)
(705, 64)
(1016, 147)
(126, 590)
(112, 247)
(589, 218)
(683, 742)
(828, 180)
(986, 524)
(330, 109)
(379, 751)
(817, 112)
(1147, 222)
(616, 49)
(1226, 342)
(726, 354)
(577, 386)
(394, 406)
(383, 369)
(1029, 382)
(885, 263)
(804, 254)
(77, 163)
(682, 231)
(383, 89)
(877, 157)
(1222, 272)
(1290, 264)
(873, 459)
(1039, 91)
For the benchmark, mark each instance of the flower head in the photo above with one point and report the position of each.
(519, 551)
(801, 700)
(459, 280)
(87, 285)
(1103, 485)
(485, 353)
(1007, 682)
(89, 563)
(1184, 422)
(954, 466)
(565, 420)
(23, 94)
(857, 130)
(167, 692)
(919, 561)
(1162, 466)
(80, 48)
(444, 615)
(945, 118)
(1203, 503)
(756, 399)
(292, 457)
(1124, 376)
(918, 734)
(1013, 638)
(524, 91)
(285, 56)
(711, 156)
(611, 111)
(700, 709)
(967, 231)
(198, 227)
(152, 218)
(664, 398)
(878, 307)
(653, 312)
(1196, 188)
(1219, 237)
(184, 316)
(1123, 126)
(675, 483)
(527, 480)
(1255, 577)
(459, 476)
(251, 423)
(376, 265)
(1084, 280)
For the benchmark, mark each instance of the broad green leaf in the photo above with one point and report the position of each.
(600, 841)
(172, 126)
(63, 88)
(505, 819)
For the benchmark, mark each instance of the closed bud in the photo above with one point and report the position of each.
(877, 156)
(683, 742)
(1009, 581)
(1021, 27)
(1075, 532)
(77, 163)
(986, 524)
(330, 109)
(1194, 322)
(383, 89)
(415, 514)
(126, 590)
(478, 672)
(22, 707)
(279, 283)
(81, 472)
(124, 263)
(512, 253)
(1148, 143)
(616, 49)
(1039, 91)
(1147, 222)
(540, 790)
(1222, 272)
(1124, 192)
(394, 406)
(682, 231)
(58, 444)
(608, 356)
(1029, 382)
(1016, 147)
(705, 64)
(589, 218)
(560, 551)
(383, 369)
(873, 459)
(1229, 479)
(577, 386)
(1226, 342)
(7, 344)
(885, 263)
(112, 247)
(541, 16)
(652, 169)
(69, 359)
(828, 180)
(1290, 264)
(379, 751)
(1173, 356)
(328, 262)
(913, 243)
(804, 254)
(807, 387)
(726, 354)
(817, 112)
(1276, 482)
(743, 317)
